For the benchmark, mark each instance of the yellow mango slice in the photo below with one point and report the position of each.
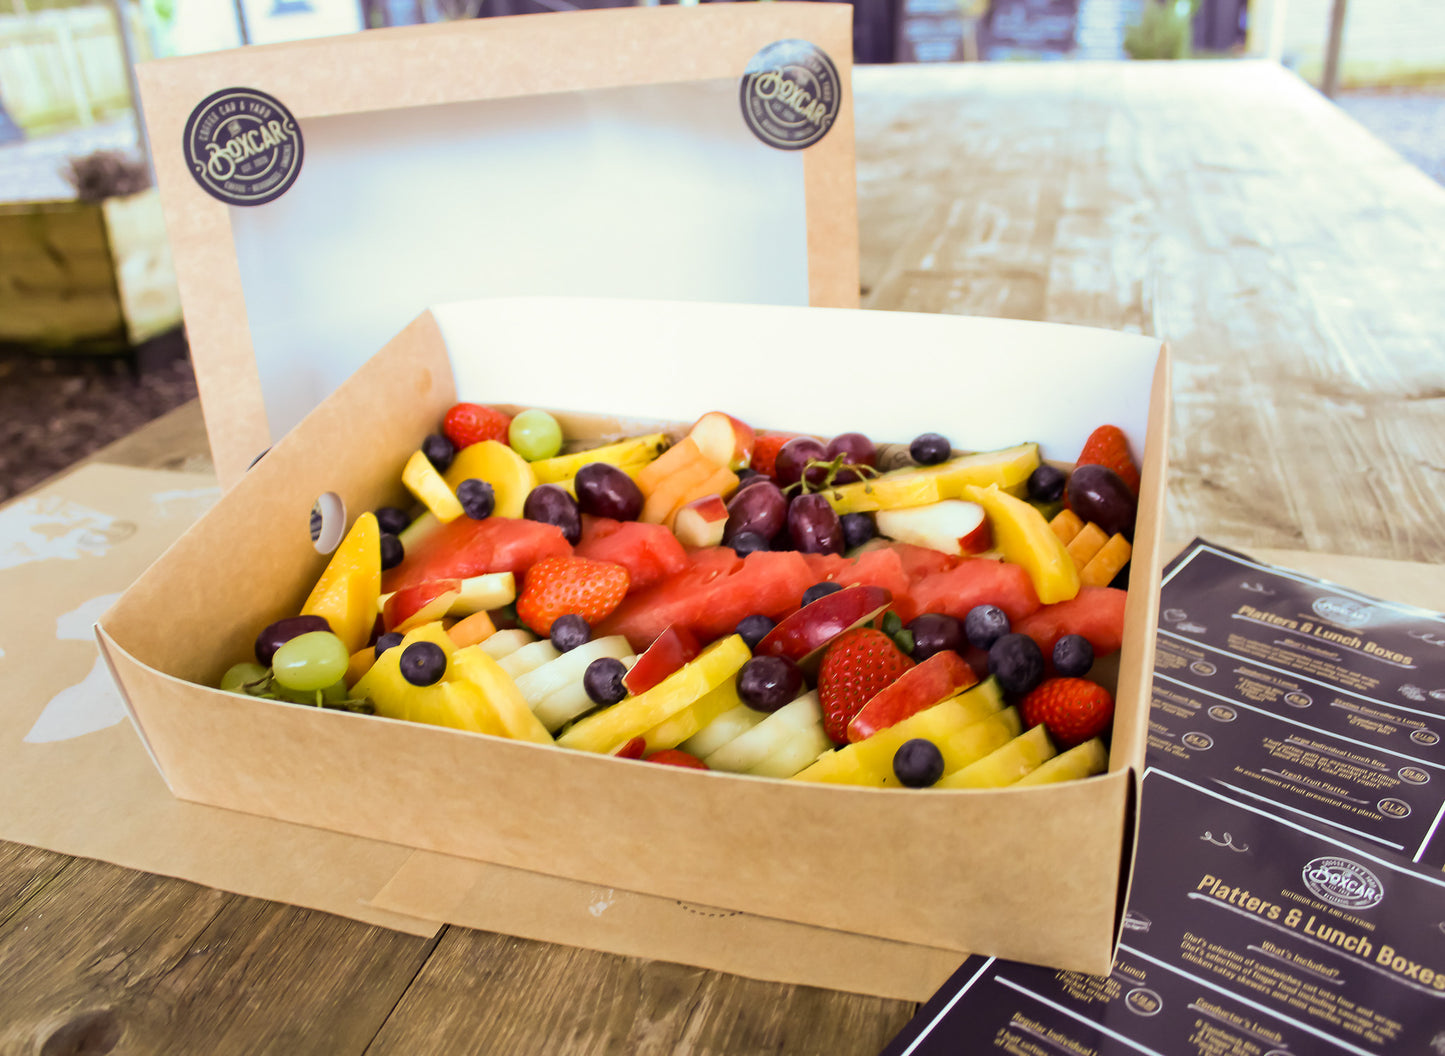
(510, 475)
(673, 731)
(1026, 539)
(968, 746)
(423, 481)
(870, 761)
(925, 485)
(611, 728)
(347, 591)
(1005, 765)
(639, 451)
(1082, 760)
(509, 708)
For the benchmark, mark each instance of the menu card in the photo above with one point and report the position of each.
(1287, 895)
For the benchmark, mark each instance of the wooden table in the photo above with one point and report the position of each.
(1293, 262)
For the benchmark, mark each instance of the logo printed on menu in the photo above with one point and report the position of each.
(1343, 611)
(243, 147)
(790, 94)
(1343, 883)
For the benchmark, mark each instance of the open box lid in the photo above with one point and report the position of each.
(319, 194)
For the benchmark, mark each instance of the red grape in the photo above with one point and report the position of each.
(793, 458)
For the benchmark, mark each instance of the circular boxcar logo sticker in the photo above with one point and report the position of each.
(790, 94)
(1344, 883)
(243, 147)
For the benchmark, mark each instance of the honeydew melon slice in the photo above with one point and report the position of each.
(505, 643)
(750, 748)
(1003, 766)
(609, 729)
(796, 754)
(541, 682)
(1082, 760)
(731, 723)
(528, 658)
(562, 706)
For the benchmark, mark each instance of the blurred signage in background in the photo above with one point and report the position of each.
(273, 21)
(1029, 29)
(939, 30)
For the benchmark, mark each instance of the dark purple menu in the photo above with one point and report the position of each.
(1288, 895)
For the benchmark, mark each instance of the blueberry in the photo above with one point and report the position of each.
(858, 528)
(1017, 662)
(387, 640)
(754, 629)
(820, 590)
(744, 475)
(439, 451)
(745, 543)
(477, 498)
(1073, 656)
(933, 632)
(392, 520)
(570, 631)
(602, 680)
(766, 683)
(984, 625)
(391, 551)
(423, 663)
(1046, 484)
(917, 763)
(930, 449)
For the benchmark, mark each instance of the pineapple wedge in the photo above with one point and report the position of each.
(423, 481)
(924, 485)
(509, 708)
(634, 453)
(611, 728)
(1082, 760)
(686, 723)
(1005, 765)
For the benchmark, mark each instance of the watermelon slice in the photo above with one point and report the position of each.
(977, 581)
(464, 548)
(1096, 613)
(649, 552)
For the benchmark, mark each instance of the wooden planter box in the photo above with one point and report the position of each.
(86, 276)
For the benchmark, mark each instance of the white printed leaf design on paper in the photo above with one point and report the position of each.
(47, 527)
(91, 704)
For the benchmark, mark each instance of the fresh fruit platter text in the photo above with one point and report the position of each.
(764, 603)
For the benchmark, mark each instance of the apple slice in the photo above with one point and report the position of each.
(668, 652)
(923, 685)
(529, 658)
(701, 522)
(953, 526)
(730, 724)
(801, 636)
(484, 593)
(1003, 766)
(504, 643)
(723, 439)
(750, 748)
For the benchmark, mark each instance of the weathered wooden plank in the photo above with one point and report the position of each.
(24, 871)
(490, 993)
(104, 954)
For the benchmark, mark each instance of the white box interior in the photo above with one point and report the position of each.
(645, 191)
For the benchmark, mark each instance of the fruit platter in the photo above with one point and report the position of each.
(808, 663)
(764, 603)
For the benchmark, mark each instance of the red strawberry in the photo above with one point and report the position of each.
(857, 665)
(471, 423)
(765, 451)
(1107, 446)
(676, 757)
(1072, 709)
(556, 586)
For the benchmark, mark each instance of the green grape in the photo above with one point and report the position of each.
(238, 675)
(336, 693)
(535, 435)
(310, 661)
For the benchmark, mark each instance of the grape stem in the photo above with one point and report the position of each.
(833, 467)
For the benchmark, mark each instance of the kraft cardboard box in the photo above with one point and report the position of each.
(1033, 875)
(319, 194)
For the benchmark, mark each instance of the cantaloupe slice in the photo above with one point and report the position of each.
(669, 492)
(1088, 542)
(683, 453)
(1105, 565)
